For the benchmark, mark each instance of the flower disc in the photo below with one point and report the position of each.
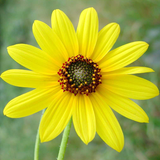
(79, 75)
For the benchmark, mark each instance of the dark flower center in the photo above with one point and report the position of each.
(80, 72)
(79, 75)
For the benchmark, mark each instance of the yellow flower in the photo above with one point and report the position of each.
(76, 75)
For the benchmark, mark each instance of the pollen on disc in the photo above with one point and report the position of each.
(79, 75)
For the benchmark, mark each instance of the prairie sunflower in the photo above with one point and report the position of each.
(76, 75)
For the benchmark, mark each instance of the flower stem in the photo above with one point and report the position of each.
(36, 149)
(64, 141)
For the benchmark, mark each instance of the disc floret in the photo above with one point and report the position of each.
(79, 75)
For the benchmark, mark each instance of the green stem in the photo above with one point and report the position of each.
(36, 149)
(64, 141)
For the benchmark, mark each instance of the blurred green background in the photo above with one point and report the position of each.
(139, 21)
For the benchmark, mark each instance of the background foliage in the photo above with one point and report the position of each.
(139, 20)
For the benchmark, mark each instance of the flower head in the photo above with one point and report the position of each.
(75, 74)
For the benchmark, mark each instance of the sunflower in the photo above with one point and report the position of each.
(75, 74)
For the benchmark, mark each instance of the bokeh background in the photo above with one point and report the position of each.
(139, 21)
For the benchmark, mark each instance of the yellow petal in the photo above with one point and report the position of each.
(107, 125)
(49, 42)
(123, 105)
(106, 39)
(131, 86)
(56, 116)
(87, 31)
(25, 78)
(122, 56)
(30, 102)
(33, 58)
(64, 29)
(127, 70)
(84, 118)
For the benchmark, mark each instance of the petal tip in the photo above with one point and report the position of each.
(146, 119)
(145, 44)
(42, 134)
(86, 142)
(141, 43)
(151, 70)
(90, 9)
(8, 48)
(56, 11)
(118, 27)
(4, 112)
(1, 76)
(35, 23)
(116, 24)
(42, 140)
(119, 149)
(156, 91)
(7, 113)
